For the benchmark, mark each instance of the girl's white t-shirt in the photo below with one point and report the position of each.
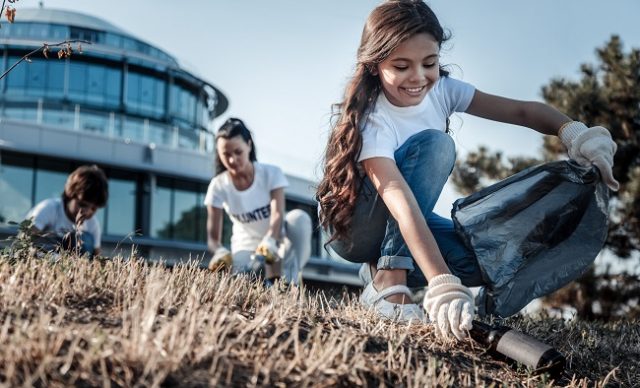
(389, 126)
(49, 217)
(250, 209)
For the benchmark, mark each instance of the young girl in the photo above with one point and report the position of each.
(391, 138)
(252, 194)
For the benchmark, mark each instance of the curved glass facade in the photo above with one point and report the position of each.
(40, 31)
(145, 98)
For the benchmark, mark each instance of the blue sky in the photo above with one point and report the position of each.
(283, 63)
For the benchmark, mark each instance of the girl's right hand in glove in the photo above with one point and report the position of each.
(589, 146)
(450, 306)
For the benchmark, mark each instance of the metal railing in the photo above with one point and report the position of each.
(113, 125)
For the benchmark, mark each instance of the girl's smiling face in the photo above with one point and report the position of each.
(410, 71)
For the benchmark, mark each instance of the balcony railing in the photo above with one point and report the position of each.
(114, 125)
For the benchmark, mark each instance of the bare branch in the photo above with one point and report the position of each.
(64, 52)
(2, 9)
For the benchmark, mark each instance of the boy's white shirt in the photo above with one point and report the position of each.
(389, 126)
(250, 209)
(49, 216)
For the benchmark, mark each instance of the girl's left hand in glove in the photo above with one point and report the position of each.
(450, 306)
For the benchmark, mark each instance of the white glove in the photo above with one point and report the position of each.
(222, 259)
(449, 305)
(591, 146)
(269, 249)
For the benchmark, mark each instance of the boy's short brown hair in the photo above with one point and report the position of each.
(87, 183)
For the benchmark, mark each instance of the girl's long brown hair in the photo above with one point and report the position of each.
(388, 25)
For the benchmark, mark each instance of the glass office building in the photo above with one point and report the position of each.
(135, 111)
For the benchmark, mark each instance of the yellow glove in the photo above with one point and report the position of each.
(221, 260)
(268, 249)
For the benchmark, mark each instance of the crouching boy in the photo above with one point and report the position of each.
(70, 220)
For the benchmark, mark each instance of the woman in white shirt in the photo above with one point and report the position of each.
(252, 194)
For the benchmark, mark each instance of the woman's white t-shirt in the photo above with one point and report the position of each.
(389, 126)
(49, 217)
(250, 209)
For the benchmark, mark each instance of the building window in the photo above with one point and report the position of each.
(36, 78)
(121, 207)
(55, 79)
(94, 84)
(18, 30)
(145, 95)
(161, 210)
(113, 86)
(161, 134)
(177, 211)
(16, 187)
(189, 138)
(186, 215)
(182, 104)
(17, 79)
(39, 31)
(21, 114)
(132, 129)
(113, 40)
(95, 122)
(58, 117)
(77, 81)
(86, 34)
(51, 175)
(58, 32)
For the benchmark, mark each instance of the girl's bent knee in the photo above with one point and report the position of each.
(434, 138)
(430, 146)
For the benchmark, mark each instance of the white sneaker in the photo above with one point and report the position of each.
(374, 299)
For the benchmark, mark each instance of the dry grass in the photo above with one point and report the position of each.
(125, 323)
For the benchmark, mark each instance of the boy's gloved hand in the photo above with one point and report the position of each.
(450, 306)
(591, 146)
(222, 259)
(268, 248)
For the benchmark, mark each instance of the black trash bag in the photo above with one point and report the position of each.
(533, 232)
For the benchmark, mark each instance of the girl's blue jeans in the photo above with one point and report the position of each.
(425, 161)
